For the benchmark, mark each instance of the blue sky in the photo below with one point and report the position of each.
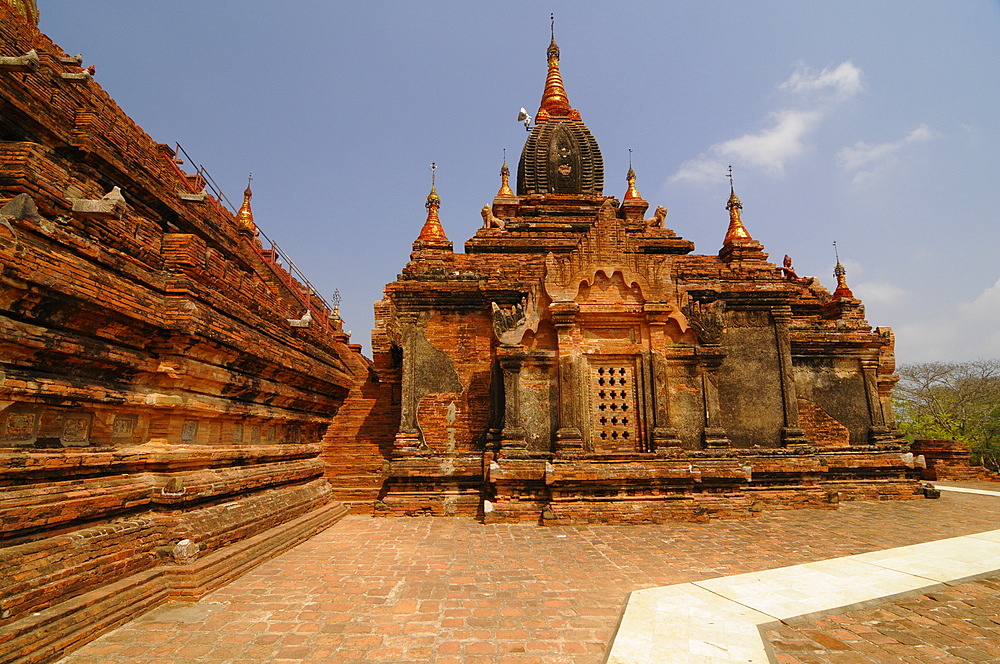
(872, 124)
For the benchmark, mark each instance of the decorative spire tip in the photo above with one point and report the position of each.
(505, 190)
(433, 196)
(631, 193)
(432, 233)
(244, 216)
(736, 230)
(840, 273)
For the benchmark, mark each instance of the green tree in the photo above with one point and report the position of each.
(959, 401)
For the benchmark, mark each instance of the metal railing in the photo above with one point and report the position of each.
(289, 274)
(295, 281)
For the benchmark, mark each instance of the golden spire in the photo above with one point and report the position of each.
(26, 8)
(555, 102)
(632, 193)
(505, 190)
(841, 275)
(736, 230)
(244, 217)
(432, 230)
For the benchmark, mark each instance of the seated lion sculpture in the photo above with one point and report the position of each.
(489, 220)
(656, 221)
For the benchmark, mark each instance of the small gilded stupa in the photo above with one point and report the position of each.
(244, 216)
(633, 205)
(631, 194)
(736, 231)
(432, 234)
(840, 274)
(505, 191)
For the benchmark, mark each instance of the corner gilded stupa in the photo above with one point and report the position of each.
(432, 235)
(244, 216)
(736, 230)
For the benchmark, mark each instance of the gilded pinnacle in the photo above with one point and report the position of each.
(555, 101)
(632, 193)
(244, 217)
(432, 230)
(736, 230)
(842, 288)
(505, 190)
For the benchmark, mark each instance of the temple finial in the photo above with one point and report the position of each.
(244, 217)
(736, 230)
(505, 190)
(432, 231)
(841, 275)
(433, 200)
(555, 102)
(632, 193)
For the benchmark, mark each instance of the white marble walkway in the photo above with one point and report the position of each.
(718, 621)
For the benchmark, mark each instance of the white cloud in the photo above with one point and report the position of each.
(969, 331)
(769, 149)
(700, 169)
(986, 307)
(772, 149)
(844, 81)
(854, 268)
(879, 292)
(871, 160)
(871, 292)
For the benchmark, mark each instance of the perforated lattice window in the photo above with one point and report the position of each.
(614, 425)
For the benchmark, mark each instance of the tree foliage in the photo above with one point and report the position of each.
(959, 401)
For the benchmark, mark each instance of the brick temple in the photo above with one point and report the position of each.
(580, 363)
(177, 404)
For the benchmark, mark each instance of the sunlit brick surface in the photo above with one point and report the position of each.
(454, 590)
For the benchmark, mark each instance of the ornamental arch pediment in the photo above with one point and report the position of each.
(609, 288)
(603, 252)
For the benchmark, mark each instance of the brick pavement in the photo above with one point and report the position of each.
(452, 590)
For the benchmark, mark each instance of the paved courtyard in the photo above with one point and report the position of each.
(452, 590)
